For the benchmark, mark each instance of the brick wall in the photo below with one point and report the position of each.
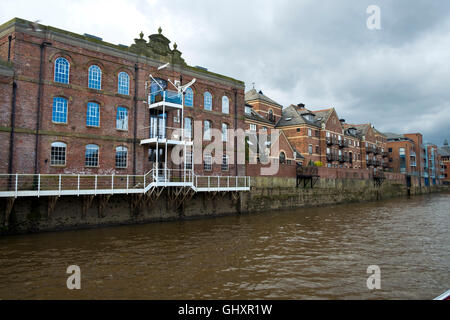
(75, 133)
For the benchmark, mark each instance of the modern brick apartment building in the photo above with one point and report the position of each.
(261, 117)
(408, 155)
(434, 164)
(444, 153)
(321, 136)
(402, 154)
(75, 104)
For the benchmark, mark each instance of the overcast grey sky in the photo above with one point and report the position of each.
(316, 52)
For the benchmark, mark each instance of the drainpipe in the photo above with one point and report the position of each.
(38, 116)
(136, 71)
(235, 128)
(9, 48)
(13, 121)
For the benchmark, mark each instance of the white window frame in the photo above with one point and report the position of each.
(54, 153)
(224, 132)
(225, 105)
(207, 130)
(207, 101)
(122, 124)
(122, 149)
(88, 162)
(207, 162)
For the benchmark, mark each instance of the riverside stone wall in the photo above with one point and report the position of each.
(71, 212)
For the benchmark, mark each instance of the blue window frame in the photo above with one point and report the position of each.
(62, 69)
(208, 101)
(122, 118)
(93, 114)
(124, 83)
(95, 77)
(189, 98)
(59, 113)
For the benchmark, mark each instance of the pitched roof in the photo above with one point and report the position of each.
(444, 151)
(255, 95)
(293, 116)
(347, 132)
(323, 115)
(257, 117)
(394, 136)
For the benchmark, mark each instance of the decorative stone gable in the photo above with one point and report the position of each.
(157, 48)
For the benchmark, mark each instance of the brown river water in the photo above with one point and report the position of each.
(315, 253)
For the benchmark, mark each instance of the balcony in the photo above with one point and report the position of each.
(164, 135)
(165, 99)
(332, 157)
(371, 149)
(329, 141)
(343, 143)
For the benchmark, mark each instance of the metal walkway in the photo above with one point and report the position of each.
(31, 185)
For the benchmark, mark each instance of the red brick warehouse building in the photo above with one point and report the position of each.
(74, 103)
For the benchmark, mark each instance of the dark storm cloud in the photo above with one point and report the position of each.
(317, 52)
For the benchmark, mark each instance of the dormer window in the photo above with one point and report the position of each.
(352, 131)
(271, 118)
(248, 110)
(309, 116)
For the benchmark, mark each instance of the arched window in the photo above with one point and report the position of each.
(189, 98)
(156, 90)
(62, 68)
(59, 111)
(122, 118)
(93, 115)
(188, 128)
(225, 105)
(282, 157)
(208, 101)
(58, 154)
(121, 157)
(124, 83)
(206, 130)
(91, 156)
(95, 77)
(224, 132)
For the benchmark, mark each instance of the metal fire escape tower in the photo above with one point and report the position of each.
(161, 102)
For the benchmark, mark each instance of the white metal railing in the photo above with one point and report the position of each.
(26, 185)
